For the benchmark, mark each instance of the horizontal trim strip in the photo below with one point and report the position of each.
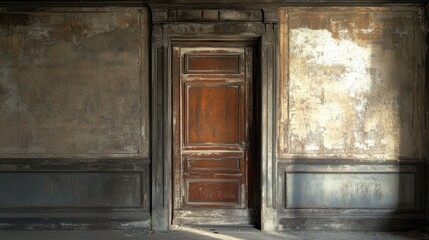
(154, 4)
(72, 155)
(343, 161)
(74, 165)
(73, 212)
(351, 168)
(324, 212)
(72, 223)
(345, 223)
(273, 4)
(87, 3)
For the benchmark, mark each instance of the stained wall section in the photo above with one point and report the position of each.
(74, 114)
(350, 132)
(70, 83)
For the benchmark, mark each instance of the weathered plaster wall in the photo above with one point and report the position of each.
(73, 81)
(351, 97)
(352, 83)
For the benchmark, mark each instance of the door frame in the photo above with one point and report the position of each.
(164, 35)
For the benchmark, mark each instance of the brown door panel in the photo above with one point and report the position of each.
(213, 193)
(213, 162)
(213, 115)
(212, 63)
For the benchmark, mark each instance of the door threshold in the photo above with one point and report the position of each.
(212, 217)
(222, 226)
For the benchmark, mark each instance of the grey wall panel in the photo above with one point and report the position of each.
(83, 189)
(74, 81)
(331, 184)
(350, 190)
(329, 194)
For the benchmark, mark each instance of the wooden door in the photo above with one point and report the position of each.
(212, 122)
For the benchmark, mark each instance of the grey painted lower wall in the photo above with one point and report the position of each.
(350, 190)
(82, 189)
(75, 194)
(351, 195)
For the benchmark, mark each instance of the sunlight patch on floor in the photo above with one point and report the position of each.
(208, 234)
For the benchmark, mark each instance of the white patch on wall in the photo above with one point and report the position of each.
(320, 48)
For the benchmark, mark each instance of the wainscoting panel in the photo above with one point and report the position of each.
(350, 195)
(70, 189)
(75, 194)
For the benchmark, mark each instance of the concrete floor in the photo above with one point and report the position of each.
(225, 233)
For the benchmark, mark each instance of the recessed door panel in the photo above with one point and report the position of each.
(212, 114)
(212, 163)
(213, 192)
(213, 63)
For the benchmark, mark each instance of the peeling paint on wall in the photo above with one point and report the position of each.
(338, 69)
(354, 87)
(70, 82)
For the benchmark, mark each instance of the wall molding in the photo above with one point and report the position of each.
(87, 3)
(245, 4)
(193, 4)
(73, 164)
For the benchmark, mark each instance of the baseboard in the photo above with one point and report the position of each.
(102, 220)
(73, 224)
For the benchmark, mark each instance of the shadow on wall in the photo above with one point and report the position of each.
(356, 92)
(426, 142)
(396, 103)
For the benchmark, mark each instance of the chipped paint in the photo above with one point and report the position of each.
(354, 84)
(319, 51)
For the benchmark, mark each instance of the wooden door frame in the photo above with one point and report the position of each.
(164, 34)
